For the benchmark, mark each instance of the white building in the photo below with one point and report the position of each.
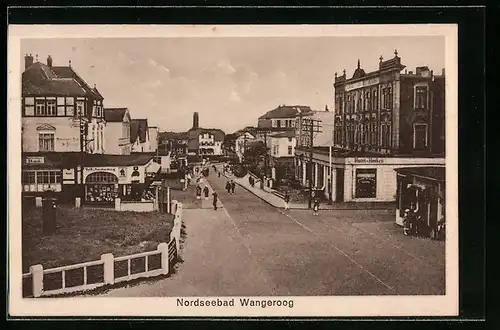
(117, 131)
(356, 177)
(208, 145)
(153, 138)
(241, 142)
(282, 149)
(324, 120)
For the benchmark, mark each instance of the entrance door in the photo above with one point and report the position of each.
(340, 185)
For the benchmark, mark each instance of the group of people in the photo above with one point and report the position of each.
(414, 224)
(230, 186)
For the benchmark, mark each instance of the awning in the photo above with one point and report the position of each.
(153, 167)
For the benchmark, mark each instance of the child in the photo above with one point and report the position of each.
(287, 200)
(316, 206)
(206, 191)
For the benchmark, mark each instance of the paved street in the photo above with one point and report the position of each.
(251, 248)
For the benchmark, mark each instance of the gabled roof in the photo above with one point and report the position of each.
(286, 111)
(39, 79)
(68, 72)
(219, 134)
(116, 115)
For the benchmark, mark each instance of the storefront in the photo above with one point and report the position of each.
(43, 172)
(354, 178)
(125, 176)
(422, 189)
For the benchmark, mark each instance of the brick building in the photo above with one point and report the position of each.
(384, 120)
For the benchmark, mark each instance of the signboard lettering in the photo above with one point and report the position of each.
(363, 83)
(369, 160)
(100, 169)
(35, 160)
(68, 174)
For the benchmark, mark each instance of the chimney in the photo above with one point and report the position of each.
(422, 71)
(28, 61)
(49, 61)
(442, 72)
(406, 71)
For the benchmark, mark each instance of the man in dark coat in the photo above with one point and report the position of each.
(233, 186)
(215, 201)
(198, 192)
(228, 187)
(206, 191)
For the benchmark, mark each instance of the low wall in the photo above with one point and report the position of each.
(109, 269)
(136, 206)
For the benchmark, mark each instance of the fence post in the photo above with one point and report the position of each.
(37, 278)
(117, 203)
(163, 248)
(109, 268)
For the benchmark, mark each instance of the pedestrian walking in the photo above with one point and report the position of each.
(218, 174)
(287, 201)
(206, 191)
(228, 187)
(198, 192)
(214, 200)
(233, 186)
(316, 206)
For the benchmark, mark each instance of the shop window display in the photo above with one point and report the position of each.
(101, 187)
(366, 183)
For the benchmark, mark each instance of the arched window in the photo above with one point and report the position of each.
(101, 177)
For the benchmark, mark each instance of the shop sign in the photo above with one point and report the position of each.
(368, 160)
(123, 172)
(35, 160)
(69, 174)
(100, 169)
(359, 84)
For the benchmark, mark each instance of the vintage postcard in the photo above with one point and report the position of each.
(285, 170)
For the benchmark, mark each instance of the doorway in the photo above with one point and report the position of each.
(339, 185)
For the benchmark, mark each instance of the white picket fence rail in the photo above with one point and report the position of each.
(108, 263)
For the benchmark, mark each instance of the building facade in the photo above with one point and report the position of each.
(282, 117)
(282, 151)
(208, 144)
(387, 111)
(384, 120)
(62, 118)
(117, 131)
(324, 120)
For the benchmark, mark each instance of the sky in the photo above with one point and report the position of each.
(229, 81)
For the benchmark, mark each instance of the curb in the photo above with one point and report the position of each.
(305, 208)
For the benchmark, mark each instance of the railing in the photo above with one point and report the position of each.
(88, 275)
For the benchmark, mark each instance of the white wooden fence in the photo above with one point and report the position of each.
(88, 279)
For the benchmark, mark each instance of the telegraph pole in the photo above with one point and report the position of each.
(312, 129)
(265, 154)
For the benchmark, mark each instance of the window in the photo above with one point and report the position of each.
(421, 97)
(79, 108)
(101, 177)
(367, 101)
(46, 141)
(40, 108)
(366, 183)
(48, 177)
(278, 123)
(289, 150)
(70, 101)
(51, 108)
(420, 136)
(102, 139)
(70, 110)
(60, 101)
(29, 101)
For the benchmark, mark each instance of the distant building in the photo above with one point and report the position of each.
(324, 119)
(204, 141)
(282, 151)
(153, 138)
(117, 131)
(282, 117)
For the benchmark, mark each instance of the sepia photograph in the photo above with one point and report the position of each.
(233, 170)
